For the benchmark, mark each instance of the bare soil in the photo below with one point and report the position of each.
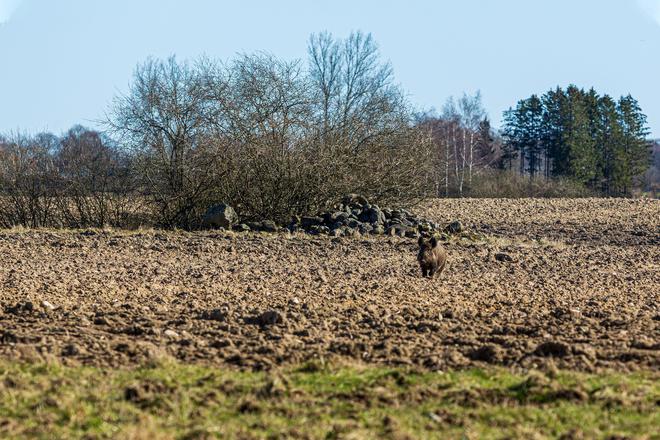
(569, 283)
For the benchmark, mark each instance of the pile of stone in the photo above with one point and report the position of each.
(354, 216)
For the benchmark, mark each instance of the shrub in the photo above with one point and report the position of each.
(499, 183)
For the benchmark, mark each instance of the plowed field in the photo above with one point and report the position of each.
(571, 282)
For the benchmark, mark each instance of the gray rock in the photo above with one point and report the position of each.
(269, 226)
(254, 226)
(401, 231)
(424, 227)
(241, 228)
(454, 227)
(308, 221)
(400, 222)
(319, 229)
(411, 233)
(354, 224)
(219, 216)
(365, 228)
(377, 216)
(264, 226)
(339, 217)
(372, 215)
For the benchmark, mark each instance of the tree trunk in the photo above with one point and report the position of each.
(446, 169)
(471, 161)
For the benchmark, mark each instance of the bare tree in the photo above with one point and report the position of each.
(27, 175)
(164, 120)
(265, 117)
(471, 114)
(325, 73)
(461, 138)
(94, 182)
(357, 98)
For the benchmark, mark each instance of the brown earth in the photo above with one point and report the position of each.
(569, 283)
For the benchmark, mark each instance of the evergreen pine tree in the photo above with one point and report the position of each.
(633, 154)
(511, 134)
(532, 134)
(581, 160)
(485, 141)
(555, 120)
(610, 137)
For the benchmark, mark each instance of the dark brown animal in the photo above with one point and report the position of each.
(432, 257)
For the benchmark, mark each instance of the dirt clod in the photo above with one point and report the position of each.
(265, 319)
(502, 257)
(70, 350)
(552, 349)
(213, 315)
(487, 353)
(171, 334)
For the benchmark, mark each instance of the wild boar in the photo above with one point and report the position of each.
(431, 257)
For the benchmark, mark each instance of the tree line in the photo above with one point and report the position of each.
(277, 138)
(574, 133)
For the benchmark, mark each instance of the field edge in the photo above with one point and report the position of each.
(316, 400)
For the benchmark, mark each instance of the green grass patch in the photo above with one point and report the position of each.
(318, 401)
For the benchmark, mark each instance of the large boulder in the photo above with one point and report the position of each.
(372, 215)
(308, 221)
(263, 226)
(219, 216)
(339, 216)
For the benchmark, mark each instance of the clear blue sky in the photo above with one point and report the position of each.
(61, 61)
